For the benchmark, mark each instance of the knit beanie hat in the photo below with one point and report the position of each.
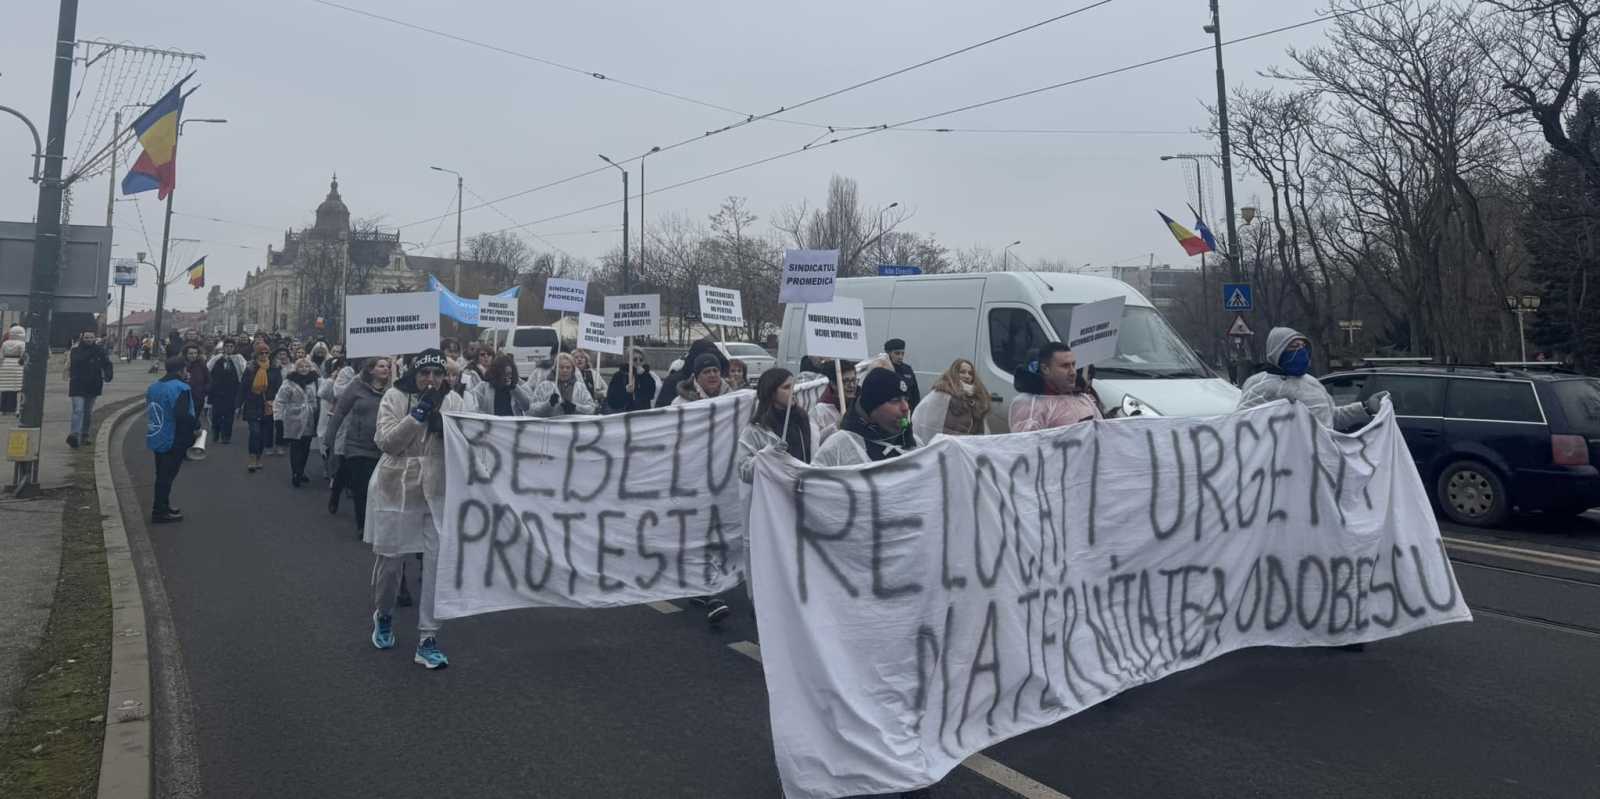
(881, 385)
(704, 361)
(894, 344)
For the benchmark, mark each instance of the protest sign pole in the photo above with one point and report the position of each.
(838, 375)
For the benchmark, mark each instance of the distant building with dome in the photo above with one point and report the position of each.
(308, 277)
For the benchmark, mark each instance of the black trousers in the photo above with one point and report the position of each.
(299, 452)
(357, 474)
(167, 465)
(222, 411)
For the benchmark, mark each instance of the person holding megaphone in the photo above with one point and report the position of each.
(170, 430)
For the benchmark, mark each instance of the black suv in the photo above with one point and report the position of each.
(1490, 439)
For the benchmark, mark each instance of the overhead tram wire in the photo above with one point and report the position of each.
(770, 115)
(513, 221)
(969, 107)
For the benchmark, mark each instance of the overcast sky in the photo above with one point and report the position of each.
(309, 89)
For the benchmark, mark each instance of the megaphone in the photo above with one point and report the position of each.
(198, 451)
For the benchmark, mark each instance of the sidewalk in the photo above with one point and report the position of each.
(31, 530)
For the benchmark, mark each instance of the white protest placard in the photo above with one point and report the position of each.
(923, 608)
(251, 328)
(836, 329)
(808, 275)
(1093, 330)
(633, 314)
(390, 324)
(591, 512)
(592, 335)
(497, 313)
(721, 306)
(561, 294)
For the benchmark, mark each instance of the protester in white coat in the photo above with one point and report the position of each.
(407, 497)
(296, 405)
(878, 426)
(827, 414)
(501, 392)
(957, 405)
(13, 357)
(1287, 376)
(561, 393)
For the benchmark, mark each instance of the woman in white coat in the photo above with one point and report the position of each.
(407, 497)
(958, 405)
(561, 393)
(13, 357)
(297, 406)
(501, 392)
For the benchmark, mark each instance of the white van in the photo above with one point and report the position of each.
(532, 346)
(994, 319)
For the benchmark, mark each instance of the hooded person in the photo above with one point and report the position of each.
(878, 426)
(296, 405)
(1287, 375)
(501, 391)
(621, 396)
(13, 357)
(1051, 393)
(705, 380)
(406, 499)
(669, 384)
(561, 393)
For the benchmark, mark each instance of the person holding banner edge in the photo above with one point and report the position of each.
(407, 497)
(632, 388)
(501, 392)
(1287, 375)
(878, 426)
(1051, 393)
(561, 393)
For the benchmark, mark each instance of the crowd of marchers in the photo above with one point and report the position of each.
(375, 423)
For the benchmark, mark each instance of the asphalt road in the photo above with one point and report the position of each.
(268, 595)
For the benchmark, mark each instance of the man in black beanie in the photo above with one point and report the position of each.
(896, 348)
(878, 426)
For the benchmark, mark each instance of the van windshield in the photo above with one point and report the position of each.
(533, 337)
(1146, 345)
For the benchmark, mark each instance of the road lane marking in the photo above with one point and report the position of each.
(1541, 557)
(1011, 779)
(1543, 623)
(984, 766)
(665, 607)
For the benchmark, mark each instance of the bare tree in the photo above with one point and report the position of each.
(842, 224)
(505, 256)
(1546, 54)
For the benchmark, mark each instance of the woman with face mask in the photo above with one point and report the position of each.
(296, 409)
(562, 393)
(958, 405)
(1287, 375)
(501, 392)
(351, 435)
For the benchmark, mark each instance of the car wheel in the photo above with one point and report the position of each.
(1470, 493)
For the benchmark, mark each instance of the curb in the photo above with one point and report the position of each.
(125, 770)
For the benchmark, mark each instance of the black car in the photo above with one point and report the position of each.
(1487, 440)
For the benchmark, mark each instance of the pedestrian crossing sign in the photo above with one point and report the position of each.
(1236, 297)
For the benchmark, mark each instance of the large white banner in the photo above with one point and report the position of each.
(591, 511)
(916, 611)
(390, 324)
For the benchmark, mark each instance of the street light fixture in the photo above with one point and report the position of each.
(1519, 305)
(1006, 254)
(627, 283)
(457, 286)
(642, 192)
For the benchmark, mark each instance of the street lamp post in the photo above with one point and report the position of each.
(1200, 195)
(166, 239)
(653, 150)
(1232, 253)
(1006, 255)
(627, 282)
(1519, 305)
(459, 184)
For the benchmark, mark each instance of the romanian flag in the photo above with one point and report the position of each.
(1205, 232)
(197, 273)
(1191, 243)
(157, 129)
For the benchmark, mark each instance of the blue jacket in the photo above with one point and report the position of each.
(169, 412)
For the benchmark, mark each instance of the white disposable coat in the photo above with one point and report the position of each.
(1264, 387)
(296, 407)
(406, 494)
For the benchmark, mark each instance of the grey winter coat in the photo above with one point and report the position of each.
(356, 418)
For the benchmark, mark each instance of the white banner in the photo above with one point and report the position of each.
(390, 324)
(721, 306)
(592, 335)
(808, 394)
(565, 295)
(497, 313)
(591, 512)
(808, 275)
(1093, 330)
(836, 329)
(633, 315)
(918, 610)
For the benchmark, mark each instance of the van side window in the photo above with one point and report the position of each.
(1492, 400)
(1013, 332)
(1412, 395)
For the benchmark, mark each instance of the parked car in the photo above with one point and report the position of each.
(756, 360)
(1490, 440)
(995, 319)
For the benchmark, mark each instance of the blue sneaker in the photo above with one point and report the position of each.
(382, 631)
(429, 656)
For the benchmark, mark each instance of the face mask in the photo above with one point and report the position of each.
(1296, 363)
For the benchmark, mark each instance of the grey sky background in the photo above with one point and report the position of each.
(309, 89)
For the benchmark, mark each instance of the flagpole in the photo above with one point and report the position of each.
(161, 271)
